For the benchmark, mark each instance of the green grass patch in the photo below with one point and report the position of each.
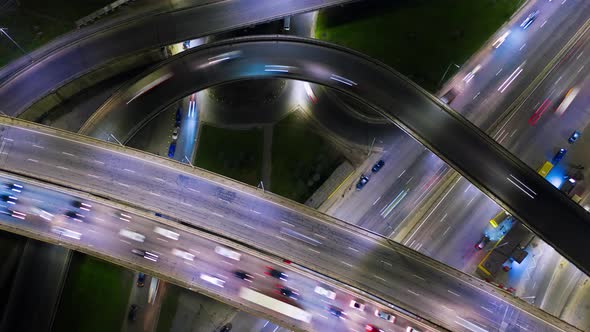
(419, 38)
(169, 306)
(36, 22)
(11, 249)
(94, 297)
(230, 152)
(301, 159)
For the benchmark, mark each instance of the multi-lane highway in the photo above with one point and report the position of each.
(23, 82)
(270, 223)
(180, 254)
(475, 155)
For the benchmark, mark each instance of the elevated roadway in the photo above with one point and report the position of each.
(30, 78)
(335, 249)
(182, 256)
(486, 164)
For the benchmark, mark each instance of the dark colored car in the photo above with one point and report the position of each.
(287, 292)
(336, 312)
(362, 182)
(145, 254)
(75, 216)
(377, 166)
(243, 275)
(529, 20)
(171, 150)
(372, 328)
(81, 205)
(140, 279)
(448, 97)
(14, 187)
(558, 156)
(132, 312)
(178, 119)
(275, 273)
(9, 199)
(574, 137)
(482, 242)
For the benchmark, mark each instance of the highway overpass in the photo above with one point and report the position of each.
(44, 71)
(486, 164)
(180, 255)
(334, 249)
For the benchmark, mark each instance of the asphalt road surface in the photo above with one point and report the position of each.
(475, 155)
(178, 253)
(23, 83)
(387, 270)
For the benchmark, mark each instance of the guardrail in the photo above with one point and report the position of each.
(88, 19)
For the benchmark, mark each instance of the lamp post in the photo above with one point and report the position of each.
(446, 71)
(3, 30)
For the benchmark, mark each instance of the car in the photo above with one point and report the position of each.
(336, 312)
(66, 232)
(17, 188)
(243, 275)
(574, 137)
(482, 242)
(186, 44)
(81, 205)
(223, 251)
(75, 216)
(372, 328)
(9, 199)
(175, 133)
(172, 149)
(140, 279)
(377, 166)
(183, 254)
(178, 118)
(132, 312)
(276, 273)
(384, 315)
(287, 292)
(325, 292)
(558, 156)
(131, 235)
(357, 305)
(362, 182)
(448, 97)
(213, 280)
(411, 329)
(529, 20)
(166, 233)
(501, 39)
(150, 256)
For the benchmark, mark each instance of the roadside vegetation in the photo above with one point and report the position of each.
(301, 159)
(419, 38)
(231, 152)
(94, 297)
(169, 306)
(35, 22)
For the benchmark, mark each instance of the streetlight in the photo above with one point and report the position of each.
(3, 30)
(446, 71)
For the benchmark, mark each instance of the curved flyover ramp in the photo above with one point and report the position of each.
(24, 82)
(493, 169)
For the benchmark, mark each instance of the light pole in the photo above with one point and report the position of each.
(3, 30)
(446, 71)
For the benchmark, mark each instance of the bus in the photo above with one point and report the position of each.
(545, 169)
(274, 304)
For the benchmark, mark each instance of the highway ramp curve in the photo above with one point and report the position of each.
(486, 164)
(42, 72)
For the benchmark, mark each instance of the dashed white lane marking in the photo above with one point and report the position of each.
(248, 226)
(579, 55)
(8, 139)
(476, 95)
(543, 24)
(125, 241)
(185, 203)
(38, 146)
(353, 249)
(311, 249)
(33, 160)
(287, 223)
(419, 277)
(93, 176)
(320, 236)
(100, 162)
(523, 45)
(128, 170)
(486, 309)
(387, 263)
(122, 184)
(163, 240)
(347, 264)
(499, 71)
(193, 190)
(378, 277)
(450, 291)
(160, 179)
(217, 214)
(68, 154)
(155, 194)
(410, 291)
(64, 168)
(255, 211)
(579, 70)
